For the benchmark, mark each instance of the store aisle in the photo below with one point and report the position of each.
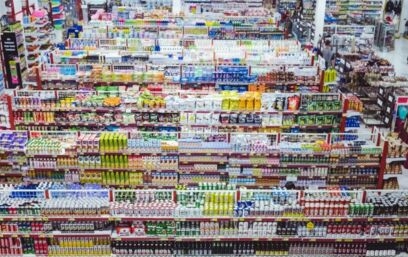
(398, 57)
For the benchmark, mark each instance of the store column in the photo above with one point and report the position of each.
(319, 20)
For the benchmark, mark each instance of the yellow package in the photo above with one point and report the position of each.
(242, 103)
(234, 103)
(250, 103)
(225, 103)
(257, 103)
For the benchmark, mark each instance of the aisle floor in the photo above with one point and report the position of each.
(398, 57)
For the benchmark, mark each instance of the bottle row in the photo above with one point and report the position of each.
(174, 162)
(208, 229)
(179, 179)
(184, 143)
(28, 103)
(103, 246)
(209, 200)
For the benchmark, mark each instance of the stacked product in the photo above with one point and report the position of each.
(137, 159)
(37, 30)
(212, 220)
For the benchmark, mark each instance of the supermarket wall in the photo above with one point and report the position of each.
(2, 8)
(319, 20)
(404, 17)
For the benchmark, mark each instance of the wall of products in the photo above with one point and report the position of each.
(222, 221)
(355, 18)
(188, 159)
(293, 112)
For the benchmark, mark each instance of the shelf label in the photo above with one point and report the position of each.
(310, 225)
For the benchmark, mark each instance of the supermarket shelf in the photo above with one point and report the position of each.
(245, 238)
(186, 152)
(55, 234)
(206, 218)
(129, 153)
(249, 165)
(11, 174)
(138, 110)
(5, 151)
(150, 124)
(10, 163)
(214, 83)
(96, 124)
(397, 159)
(50, 155)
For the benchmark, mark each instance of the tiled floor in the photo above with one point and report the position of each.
(398, 57)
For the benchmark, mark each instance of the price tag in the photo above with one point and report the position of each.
(217, 239)
(310, 225)
(255, 239)
(214, 219)
(285, 239)
(291, 178)
(312, 239)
